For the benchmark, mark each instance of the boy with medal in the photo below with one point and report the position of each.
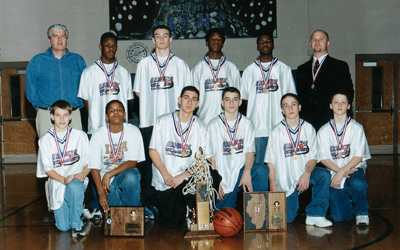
(291, 156)
(176, 140)
(213, 74)
(264, 82)
(232, 140)
(103, 81)
(115, 150)
(63, 157)
(343, 148)
(159, 80)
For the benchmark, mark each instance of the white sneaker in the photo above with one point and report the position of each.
(87, 214)
(318, 221)
(362, 220)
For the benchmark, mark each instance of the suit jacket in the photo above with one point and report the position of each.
(333, 76)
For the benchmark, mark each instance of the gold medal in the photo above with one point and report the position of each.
(265, 91)
(183, 153)
(295, 157)
(340, 155)
(161, 83)
(233, 151)
(215, 87)
(110, 92)
(114, 166)
(312, 86)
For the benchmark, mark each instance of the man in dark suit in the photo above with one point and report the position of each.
(318, 79)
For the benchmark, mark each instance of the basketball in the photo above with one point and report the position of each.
(227, 222)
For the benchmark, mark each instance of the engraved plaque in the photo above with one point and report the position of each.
(203, 207)
(265, 211)
(124, 221)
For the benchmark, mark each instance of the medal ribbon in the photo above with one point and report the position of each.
(161, 68)
(110, 83)
(316, 73)
(290, 136)
(231, 132)
(121, 137)
(340, 138)
(215, 70)
(60, 153)
(269, 70)
(184, 139)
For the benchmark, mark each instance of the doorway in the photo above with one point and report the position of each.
(376, 105)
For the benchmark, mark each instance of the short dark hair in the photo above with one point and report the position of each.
(190, 88)
(162, 26)
(340, 92)
(231, 90)
(61, 104)
(265, 34)
(108, 35)
(323, 31)
(215, 30)
(113, 101)
(290, 95)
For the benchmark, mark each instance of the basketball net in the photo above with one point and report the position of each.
(199, 170)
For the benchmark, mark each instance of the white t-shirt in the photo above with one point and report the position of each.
(210, 81)
(264, 102)
(95, 88)
(167, 141)
(289, 166)
(231, 159)
(159, 97)
(352, 140)
(101, 153)
(76, 157)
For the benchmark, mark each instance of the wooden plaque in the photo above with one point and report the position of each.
(124, 221)
(264, 211)
(202, 206)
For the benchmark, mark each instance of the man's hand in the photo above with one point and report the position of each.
(245, 181)
(304, 182)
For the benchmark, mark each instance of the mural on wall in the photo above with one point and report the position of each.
(134, 19)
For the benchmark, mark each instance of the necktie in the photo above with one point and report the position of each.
(316, 66)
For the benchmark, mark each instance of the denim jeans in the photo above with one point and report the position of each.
(69, 214)
(125, 189)
(351, 200)
(320, 180)
(259, 179)
(261, 146)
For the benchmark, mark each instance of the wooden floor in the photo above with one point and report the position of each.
(23, 206)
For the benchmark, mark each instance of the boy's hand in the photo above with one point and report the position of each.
(168, 180)
(304, 182)
(103, 201)
(349, 172)
(177, 180)
(68, 179)
(80, 177)
(105, 182)
(221, 193)
(245, 181)
(337, 179)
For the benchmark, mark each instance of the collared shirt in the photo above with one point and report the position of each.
(49, 79)
(321, 60)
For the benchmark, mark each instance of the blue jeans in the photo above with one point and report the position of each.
(259, 179)
(69, 214)
(125, 189)
(351, 200)
(261, 146)
(320, 180)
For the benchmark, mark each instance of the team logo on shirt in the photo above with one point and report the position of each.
(175, 149)
(228, 149)
(301, 150)
(157, 83)
(219, 85)
(337, 153)
(71, 158)
(104, 88)
(270, 86)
